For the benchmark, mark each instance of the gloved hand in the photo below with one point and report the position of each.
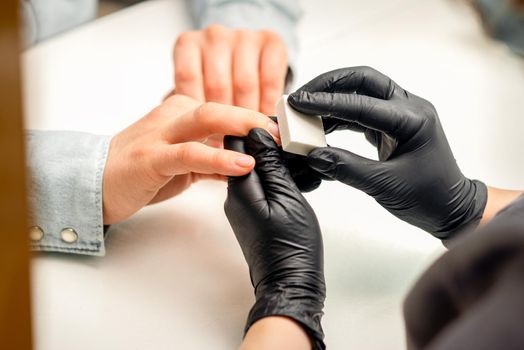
(416, 178)
(306, 178)
(279, 236)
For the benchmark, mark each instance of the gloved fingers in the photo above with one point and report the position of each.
(372, 137)
(334, 124)
(362, 80)
(385, 144)
(305, 178)
(306, 182)
(270, 167)
(367, 111)
(242, 189)
(345, 166)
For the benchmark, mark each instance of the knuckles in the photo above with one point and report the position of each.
(217, 160)
(186, 38)
(205, 112)
(184, 75)
(271, 36)
(138, 154)
(190, 155)
(180, 100)
(245, 84)
(176, 105)
(217, 33)
(183, 153)
(271, 82)
(243, 35)
(215, 88)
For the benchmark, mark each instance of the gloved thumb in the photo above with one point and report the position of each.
(242, 190)
(345, 166)
(270, 166)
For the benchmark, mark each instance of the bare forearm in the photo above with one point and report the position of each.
(498, 199)
(276, 333)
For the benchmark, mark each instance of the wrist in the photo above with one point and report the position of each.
(472, 206)
(497, 200)
(301, 301)
(276, 332)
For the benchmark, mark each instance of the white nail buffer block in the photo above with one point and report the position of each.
(299, 133)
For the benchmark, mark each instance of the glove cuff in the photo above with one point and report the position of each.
(477, 198)
(297, 303)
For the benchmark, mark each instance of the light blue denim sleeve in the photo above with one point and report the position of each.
(504, 21)
(43, 19)
(280, 16)
(65, 190)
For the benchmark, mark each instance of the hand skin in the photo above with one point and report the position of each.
(498, 199)
(162, 154)
(276, 333)
(237, 67)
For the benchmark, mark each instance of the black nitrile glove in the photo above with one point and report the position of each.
(306, 178)
(416, 178)
(279, 236)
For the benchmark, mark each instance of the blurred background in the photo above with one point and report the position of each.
(106, 7)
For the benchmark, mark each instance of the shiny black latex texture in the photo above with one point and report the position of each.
(416, 177)
(279, 235)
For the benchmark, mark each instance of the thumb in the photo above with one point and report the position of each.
(242, 190)
(345, 166)
(270, 165)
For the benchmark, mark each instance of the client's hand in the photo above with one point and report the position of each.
(163, 153)
(241, 67)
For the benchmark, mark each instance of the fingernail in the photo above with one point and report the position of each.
(244, 161)
(272, 127)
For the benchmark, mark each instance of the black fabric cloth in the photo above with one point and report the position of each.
(473, 296)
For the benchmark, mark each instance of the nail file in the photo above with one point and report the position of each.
(300, 133)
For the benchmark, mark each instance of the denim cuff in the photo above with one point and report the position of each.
(65, 172)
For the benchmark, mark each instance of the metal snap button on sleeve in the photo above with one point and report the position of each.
(36, 233)
(69, 235)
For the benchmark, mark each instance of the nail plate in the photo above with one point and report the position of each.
(272, 127)
(244, 161)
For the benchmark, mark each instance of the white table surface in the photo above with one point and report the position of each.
(174, 276)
